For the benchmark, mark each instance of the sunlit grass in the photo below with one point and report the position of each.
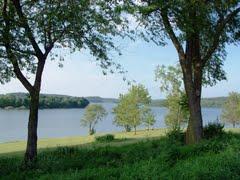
(83, 141)
(128, 156)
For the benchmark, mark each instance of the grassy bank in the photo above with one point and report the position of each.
(83, 141)
(144, 157)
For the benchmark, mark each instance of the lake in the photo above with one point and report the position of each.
(66, 122)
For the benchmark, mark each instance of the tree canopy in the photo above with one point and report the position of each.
(231, 109)
(171, 83)
(32, 32)
(199, 31)
(92, 115)
(128, 112)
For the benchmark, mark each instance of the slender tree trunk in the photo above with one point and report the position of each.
(234, 125)
(178, 120)
(135, 130)
(90, 129)
(31, 150)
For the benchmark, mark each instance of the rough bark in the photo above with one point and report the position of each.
(192, 73)
(31, 150)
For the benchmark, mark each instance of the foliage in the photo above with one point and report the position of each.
(231, 109)
(199, 31)
(148, 118)
(217, 25)
(71, 25)
(170, 78)
(21, 100)
(177, 116)
(92, 115)
(171, 82)
(33, 32)
(128, 112)
(176, 135)
(213, 130)
(105, 138)
(217, 158)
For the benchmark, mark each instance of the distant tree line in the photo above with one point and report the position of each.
(22, 100)
(217, 102)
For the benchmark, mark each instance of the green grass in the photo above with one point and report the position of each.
(83, 141)
(145, 156)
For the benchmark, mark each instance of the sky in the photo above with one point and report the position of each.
(81, 76)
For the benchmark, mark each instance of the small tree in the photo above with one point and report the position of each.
(93, 114)
(148, 118)
(177, 114)
(121, 117)
(128, 111)
(231, 109)
(172, 83)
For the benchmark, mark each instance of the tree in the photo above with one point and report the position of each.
(128, 111)
(92, 115)
(204, 28)
(171, 83)
(231, 109)
(177, 115)
(121, 116)
(32, 32)
(148, 118)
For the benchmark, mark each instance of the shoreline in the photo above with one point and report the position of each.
(18, 147)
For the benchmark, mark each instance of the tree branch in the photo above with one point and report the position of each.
(29, 33)
(219, 29)
(10, 55)
(171, 34)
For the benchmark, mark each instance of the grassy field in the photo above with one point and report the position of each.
(83, 141)
(147, 155)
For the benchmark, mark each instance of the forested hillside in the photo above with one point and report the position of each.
(206, 102)
(47, 101)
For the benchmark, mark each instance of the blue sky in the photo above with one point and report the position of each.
(80, 76)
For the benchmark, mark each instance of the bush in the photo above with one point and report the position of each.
(176, 135)
(213, 130)
(105, 138)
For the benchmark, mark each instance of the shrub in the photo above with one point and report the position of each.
(176, 135)
(105, 138)
(213, 130)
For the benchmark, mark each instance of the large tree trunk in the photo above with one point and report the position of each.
(31, 150)
(194, 129)
(192, 73)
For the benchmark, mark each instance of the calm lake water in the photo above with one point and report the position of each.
(66, 122)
